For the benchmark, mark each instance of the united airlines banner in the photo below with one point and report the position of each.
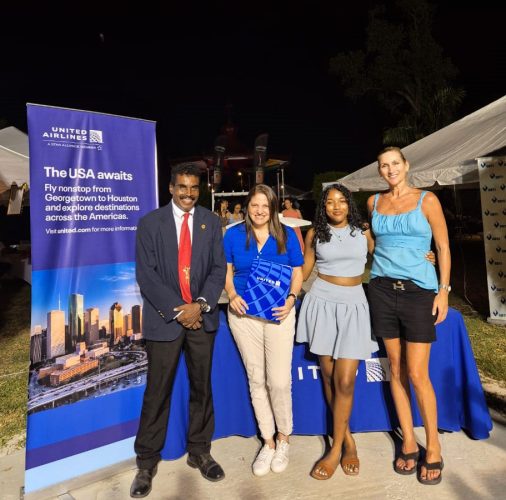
(492, 173)
(92, 177)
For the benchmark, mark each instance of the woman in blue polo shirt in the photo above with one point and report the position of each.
(265, 347)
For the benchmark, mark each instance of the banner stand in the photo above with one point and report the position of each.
(65, 487)
(92, 177)
(492, 174)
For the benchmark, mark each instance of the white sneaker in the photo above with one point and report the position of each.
(280, 460)
(262, 464)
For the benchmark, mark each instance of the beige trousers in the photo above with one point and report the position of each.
(266, 350)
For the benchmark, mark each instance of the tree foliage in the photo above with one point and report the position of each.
(320, 178)
(404, 69)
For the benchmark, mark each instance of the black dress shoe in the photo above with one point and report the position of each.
(209, 468)
(141, 486)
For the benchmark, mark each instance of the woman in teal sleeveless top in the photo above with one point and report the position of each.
(406, 301)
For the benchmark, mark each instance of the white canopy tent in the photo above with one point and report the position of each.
(446, 157)
(14, 171)
(14, 163)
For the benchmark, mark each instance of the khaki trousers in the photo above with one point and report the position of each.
(266, 350)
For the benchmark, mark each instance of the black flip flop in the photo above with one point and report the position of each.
(407, 456)
(432, 466)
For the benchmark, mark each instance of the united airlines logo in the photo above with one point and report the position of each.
(73, 138)
(493, 238)
(377, 370)
(269, 281)
(96, 136)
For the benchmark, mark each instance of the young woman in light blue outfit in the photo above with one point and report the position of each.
(334, 316)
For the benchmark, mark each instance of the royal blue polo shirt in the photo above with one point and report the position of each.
(237, 254)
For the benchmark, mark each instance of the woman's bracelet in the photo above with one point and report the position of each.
(291, 294)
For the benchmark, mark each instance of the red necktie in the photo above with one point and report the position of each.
(184, 259)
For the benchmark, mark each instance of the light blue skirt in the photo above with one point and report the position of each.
(335, 321)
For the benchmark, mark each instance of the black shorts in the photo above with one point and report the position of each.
(401, 309)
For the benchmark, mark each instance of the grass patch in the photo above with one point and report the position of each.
(488, 341)
(14, 357)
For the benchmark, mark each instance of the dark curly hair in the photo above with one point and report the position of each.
(320, 223)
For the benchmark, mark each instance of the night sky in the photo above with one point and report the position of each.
(269, 60)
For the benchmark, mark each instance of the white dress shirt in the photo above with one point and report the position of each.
(178, 219)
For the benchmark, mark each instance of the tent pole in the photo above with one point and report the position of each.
(283, 183)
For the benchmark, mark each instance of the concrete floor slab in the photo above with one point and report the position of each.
(473, 469)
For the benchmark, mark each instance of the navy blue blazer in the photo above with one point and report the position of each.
(157, 272)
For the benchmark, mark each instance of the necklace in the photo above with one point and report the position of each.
(340, 233)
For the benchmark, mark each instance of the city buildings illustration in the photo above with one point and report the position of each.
(83, 353)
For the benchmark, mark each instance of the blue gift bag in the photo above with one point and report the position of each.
(267, 287)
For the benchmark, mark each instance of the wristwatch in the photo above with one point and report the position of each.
(448, 288)
(204, 306)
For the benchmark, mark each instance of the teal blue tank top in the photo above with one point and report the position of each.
(401, 244)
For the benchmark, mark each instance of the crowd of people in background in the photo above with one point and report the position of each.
(289, 208)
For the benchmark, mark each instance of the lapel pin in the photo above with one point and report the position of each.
(203, 226)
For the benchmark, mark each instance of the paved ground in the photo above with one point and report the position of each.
(474, 469)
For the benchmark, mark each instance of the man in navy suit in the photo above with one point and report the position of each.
(172, 325)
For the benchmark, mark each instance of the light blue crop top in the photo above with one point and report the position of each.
(344, 255)
(401, 244)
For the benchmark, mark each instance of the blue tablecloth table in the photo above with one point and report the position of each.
(460, 399)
